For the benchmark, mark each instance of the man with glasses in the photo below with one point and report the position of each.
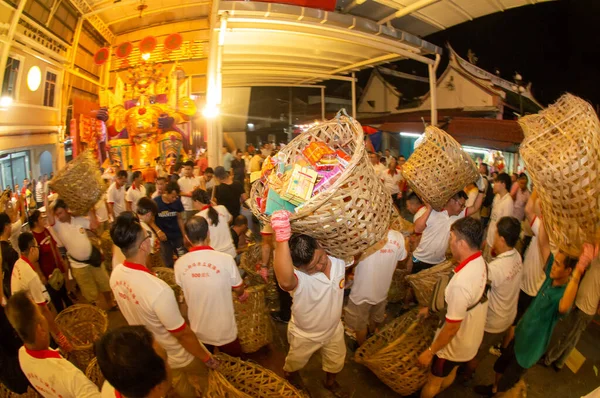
(435, 228)
(25, 278)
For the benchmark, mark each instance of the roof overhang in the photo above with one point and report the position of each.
(268, 44)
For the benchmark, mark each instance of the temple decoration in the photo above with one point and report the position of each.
(143, 113)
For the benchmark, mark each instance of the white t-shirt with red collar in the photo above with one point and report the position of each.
(506, 272)
(317, 303)
(116, 196)
(188, 184)
(463, 291)
(55, 377)
(73, 236)
(391, 181)
(436, 236)
(501, 207)
(146, 300)
(134, 193)
(206, 277)
(24, 277)
(373, 275)
(220, 235)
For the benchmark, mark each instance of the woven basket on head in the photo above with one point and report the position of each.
(248, 263)
(423, 282)
(392, 353)
(398, 287)
(6, 393)
(253, 320)
(94, 373)
(79, 184)
(354, 212)
(168, 275)
(82, 325)
(438, 168)
(562, 152)
(238, 379)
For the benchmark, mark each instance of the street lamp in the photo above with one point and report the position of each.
(519, 88)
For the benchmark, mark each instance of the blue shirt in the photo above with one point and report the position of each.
(167, 217)
(535, 328)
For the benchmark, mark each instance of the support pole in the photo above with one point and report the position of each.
(322, 103)
(9, 38)
(73, 55)
(290, 116)
(433, 89)
(214, 129)
(353, 95)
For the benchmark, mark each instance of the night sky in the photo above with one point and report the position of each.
(554, 45)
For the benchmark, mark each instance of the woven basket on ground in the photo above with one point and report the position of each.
(168, 275)
(354, 212)
(253, 321)
(82, 324)
(238, 379)
(248, 263)
(438, 168)
(562, 152)
(423, 282)
(94, 373)
(6, 393)
(79, 184)
(398, 287)
(392, 353)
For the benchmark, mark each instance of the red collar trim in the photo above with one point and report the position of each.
(137, 267)
(118, 394)
(43, 354)
(197, 248)
(205, 207)
(420, 208)
(27, 261)
(466, 261)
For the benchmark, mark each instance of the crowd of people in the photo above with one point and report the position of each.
(508, 290)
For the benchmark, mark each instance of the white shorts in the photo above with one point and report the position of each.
(333, 351)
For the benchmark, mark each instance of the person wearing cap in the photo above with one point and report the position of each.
(146, 300)
(47, 371)
(228, 192)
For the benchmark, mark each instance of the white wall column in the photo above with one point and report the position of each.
(433, 89)
(9, 38)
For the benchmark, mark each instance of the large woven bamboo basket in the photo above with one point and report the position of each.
(248, 263)
(6, 393)
(438, 168)
(398, 287)
(238, 379)
(94, 373)
(392, 353)
(253, 321)
(168, 276)
(79, 184)
(352, 214)
(423, 282)
(82, 324)
(562, 152)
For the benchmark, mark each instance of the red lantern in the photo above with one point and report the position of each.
(173, 41)
(148, 44)
(101, 56)
(124, 49)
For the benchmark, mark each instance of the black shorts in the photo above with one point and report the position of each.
(525, 301)
(419, 266)
(509, 368)
(441, 367)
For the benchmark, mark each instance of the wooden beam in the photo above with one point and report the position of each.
(403, 11)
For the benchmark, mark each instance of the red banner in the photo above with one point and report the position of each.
(327, 5)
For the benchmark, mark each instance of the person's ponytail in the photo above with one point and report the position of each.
(202, 196)
(213, 215)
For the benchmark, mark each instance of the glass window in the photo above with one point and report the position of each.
(11, 73)
(14, 168)
(49, 89)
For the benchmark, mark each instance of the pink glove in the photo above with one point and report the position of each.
(264, 273)
(243, 297)
(212, 362)
(280, 222)
(63, 343)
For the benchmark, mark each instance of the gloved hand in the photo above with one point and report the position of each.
(63, 343)
(280, 222)
(212, 363)
(482, 184)
(102, 114)
(165, 121)
(243, 297)
(264, 273)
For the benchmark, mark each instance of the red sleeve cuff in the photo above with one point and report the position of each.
(533, 221)
(42, 304)
(179, 329)
(448, 320)
(112, 203)
(239, 285)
